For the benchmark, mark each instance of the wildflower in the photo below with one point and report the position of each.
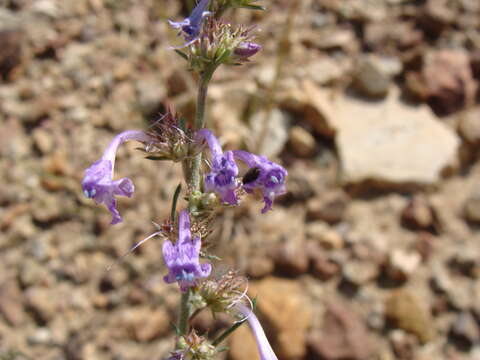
(182, 258)
(264, 348)
(98, 182)
(246, 50)
(265, 175)
(223, 177)
(192, 25)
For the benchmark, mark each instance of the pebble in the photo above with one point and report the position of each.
(371, 78)
(324, 235)
(408, 314)
(301, 141)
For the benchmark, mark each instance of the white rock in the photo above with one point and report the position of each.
(392, 141)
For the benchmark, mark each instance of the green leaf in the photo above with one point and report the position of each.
(254, 7)
(174, 202)
(182, 54)
(156, 158)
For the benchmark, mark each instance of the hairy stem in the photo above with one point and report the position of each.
(184, 313)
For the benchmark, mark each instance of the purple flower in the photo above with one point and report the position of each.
(223, 177)
(264, 348)
(98, 182)
(192, 25)
(247, 49)
(263, 174)
(182, 258)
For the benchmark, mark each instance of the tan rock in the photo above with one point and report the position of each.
(405, 310)
(242, 344)
(145, 324)
(301, 141)
(392, 142)
(286, 313)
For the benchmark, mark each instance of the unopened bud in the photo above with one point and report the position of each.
(247, 49)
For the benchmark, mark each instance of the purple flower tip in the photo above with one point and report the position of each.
(247, 49)
(267, 176)
(98, 183)
(223, 177)
(192, 25)
(264, 348)
(183, 257)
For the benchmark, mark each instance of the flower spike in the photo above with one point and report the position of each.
(98, 183)
(192, 25)
(183, 257)
(263, 174)
(222, 178)
(264, 348)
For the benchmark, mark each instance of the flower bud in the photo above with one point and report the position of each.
(247, 49)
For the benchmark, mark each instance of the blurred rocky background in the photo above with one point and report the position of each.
(372, 105)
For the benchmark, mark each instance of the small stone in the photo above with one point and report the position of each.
(472, 208)
(469, 126)
(315, 104)
(323, 71)
(11, 304)
(418, 213)
(465, 329)
(11, 55)
(322, 266)
(288, 317)
(360, 273)
(145, 324)
(301, 141)
(41, 336)
(406, 312)
(402, 264)
(448, 80)
(330, 208)
(371, 79)
(43, 140)
(343, 336)
(42, 302)
(291, 257)
(324, 235)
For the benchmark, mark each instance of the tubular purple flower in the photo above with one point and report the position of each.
(247, 49)
(269, 177)
(98, 182)
(192, 25)
(183, 257)
(264, 348)
(223, 177)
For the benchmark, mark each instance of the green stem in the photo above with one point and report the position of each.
(193, 179)
(184, 313)
(191, 171)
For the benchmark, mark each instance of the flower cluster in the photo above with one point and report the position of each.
(263, 174)
(210, 41)
(214, 177)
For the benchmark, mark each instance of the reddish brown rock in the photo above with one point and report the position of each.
(448, 79)
(343, 336)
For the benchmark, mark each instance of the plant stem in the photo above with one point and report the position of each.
(193, 179)
(191, 171)
(184, 313)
